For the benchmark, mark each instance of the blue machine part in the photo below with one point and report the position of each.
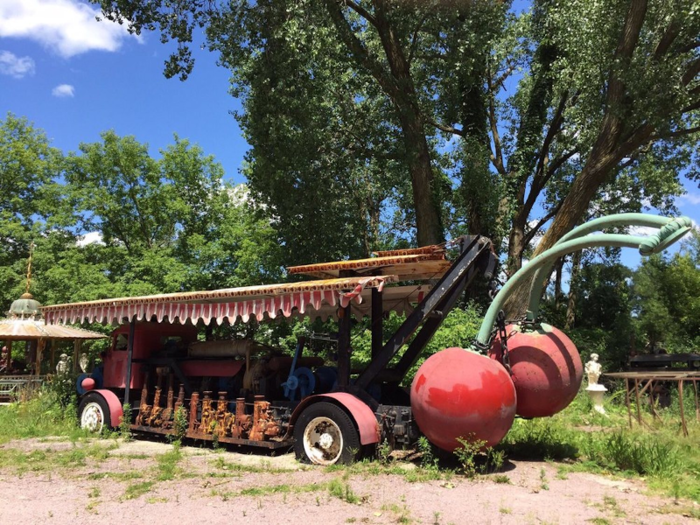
(300, 384)
(79, 383)
(326, 377)
(307, 381)
(98, 375)
(290, 387)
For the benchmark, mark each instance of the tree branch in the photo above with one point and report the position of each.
(414, 38)
(691, 72)
(497, 159)
(527, 238)
(669, 36)
(361, 11)
(359, 51)
(558, 162)
(634, 20)
(690, 47)
(501, 79)
(679, 133)
(552, 132)
(691, 107)
(444, 127)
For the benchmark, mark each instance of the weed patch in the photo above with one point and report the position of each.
(136, 490)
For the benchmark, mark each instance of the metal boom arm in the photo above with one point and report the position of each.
(431, 311)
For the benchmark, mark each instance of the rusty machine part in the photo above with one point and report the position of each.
(167, 414)
(194, 407)
(144, 407)
(209, 417)
(263, 423)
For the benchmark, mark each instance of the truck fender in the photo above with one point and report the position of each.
(362, 415)
(115, 405)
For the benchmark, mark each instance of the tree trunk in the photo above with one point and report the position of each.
(516, 239)
(571, 307)
(397, 83)
(428, 223)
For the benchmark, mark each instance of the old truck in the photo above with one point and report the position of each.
(244, 393)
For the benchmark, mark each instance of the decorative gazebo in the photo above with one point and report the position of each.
(24, 323)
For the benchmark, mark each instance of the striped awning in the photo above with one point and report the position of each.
(231, 304)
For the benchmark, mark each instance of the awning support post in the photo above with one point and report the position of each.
(377, 322)
(129, 359)
(344, 325)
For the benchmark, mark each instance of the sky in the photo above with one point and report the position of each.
(75, 77)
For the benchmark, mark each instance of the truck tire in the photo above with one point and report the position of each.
(326, 435)
(93, 413)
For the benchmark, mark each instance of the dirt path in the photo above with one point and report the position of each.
(145, 482)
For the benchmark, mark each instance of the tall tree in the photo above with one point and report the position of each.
(567, 100)
(32, 205)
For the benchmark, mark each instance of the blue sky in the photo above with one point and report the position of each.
(75, 77)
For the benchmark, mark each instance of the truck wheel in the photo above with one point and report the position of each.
(325, 435)
(93, 413)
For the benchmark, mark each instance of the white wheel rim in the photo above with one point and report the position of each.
(323, 441)
(92, 417)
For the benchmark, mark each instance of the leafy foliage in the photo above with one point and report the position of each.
(667, 299)
(111, 220)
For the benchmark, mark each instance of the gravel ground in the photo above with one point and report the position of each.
(128, 483)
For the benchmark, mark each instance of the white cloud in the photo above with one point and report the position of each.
(63, 91)
(89, 238)
(691, 198)
(67, 27)
(14, 66)
(643, 231)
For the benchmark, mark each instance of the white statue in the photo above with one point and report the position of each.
(593, 369)
(84, 361)
(595, 391)
(63, 366)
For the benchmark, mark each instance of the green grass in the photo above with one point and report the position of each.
(167, 468)
(41, 416)
(117, 476)
(136, 490)
(227, 469)
(669, 462)
(49, 460)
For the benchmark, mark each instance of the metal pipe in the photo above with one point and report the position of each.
(621, 219)
(556, 251)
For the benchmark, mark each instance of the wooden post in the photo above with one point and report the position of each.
(344, 326)
(39, 353)
(77, 345)
(53, 356)
(627, 400)
(129, 358)
(377, 322)
(636, 395)
(651, 399)
(680, 401)
(697, 406)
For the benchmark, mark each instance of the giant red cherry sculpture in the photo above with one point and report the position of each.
(546, 368)
(459, 393)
